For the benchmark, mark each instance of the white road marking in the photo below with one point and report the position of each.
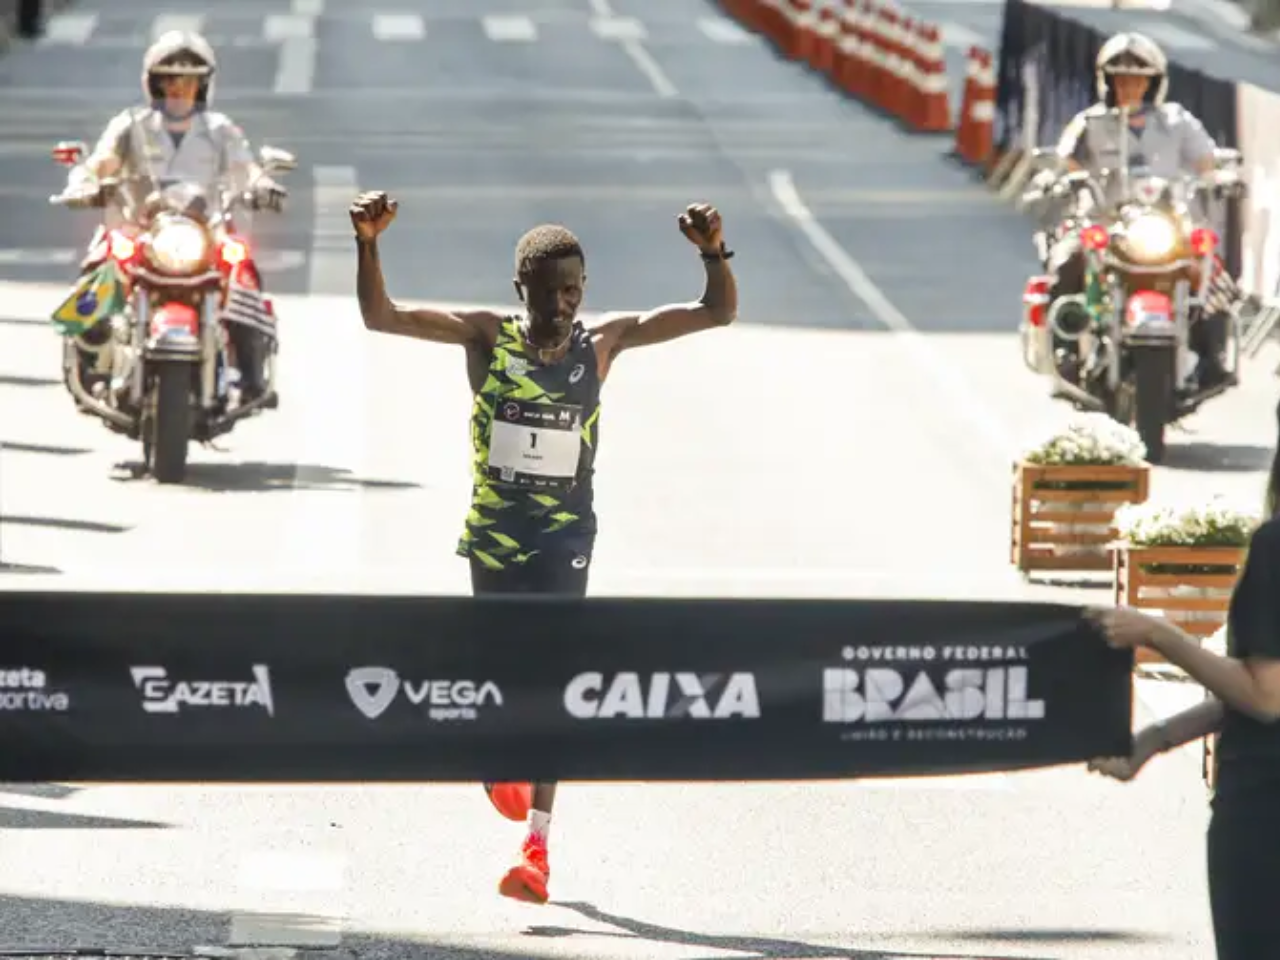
(70, 28)
(279, 27)
(271, 261)
(510, 29)
(328, 388)
(619, 28)
(600, 8)
(955, 35)
(722, 30)
(296, 72)
(398, 26)
(308, 8)
(192, 22)
(963, 399)
(640, 56)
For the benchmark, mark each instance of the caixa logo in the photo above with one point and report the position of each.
(966, 693)
(663, 696)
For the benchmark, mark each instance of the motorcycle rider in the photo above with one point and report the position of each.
(1131, 72)
(175, 137)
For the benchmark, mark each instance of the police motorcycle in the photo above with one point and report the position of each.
(1121, 347)
(161, 370)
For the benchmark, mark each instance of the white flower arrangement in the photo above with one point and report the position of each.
(1215, 524)
(1090, 439)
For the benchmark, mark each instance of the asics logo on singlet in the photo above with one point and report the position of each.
(663, 696)
(576, 373)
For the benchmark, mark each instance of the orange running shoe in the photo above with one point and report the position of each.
(512, 800)
(527, 880)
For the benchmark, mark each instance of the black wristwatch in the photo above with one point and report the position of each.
(724, 254)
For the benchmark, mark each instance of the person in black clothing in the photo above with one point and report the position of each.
(1244, 831)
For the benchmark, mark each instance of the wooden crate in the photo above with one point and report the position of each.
(1183, 569)
(1044, 513)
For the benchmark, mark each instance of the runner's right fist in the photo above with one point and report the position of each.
(372, 213)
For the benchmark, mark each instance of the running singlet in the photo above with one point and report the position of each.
(534, 431)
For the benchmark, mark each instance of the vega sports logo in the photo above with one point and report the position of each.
(373, 689)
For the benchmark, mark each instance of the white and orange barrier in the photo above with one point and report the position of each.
(873, 50)
(976, 130)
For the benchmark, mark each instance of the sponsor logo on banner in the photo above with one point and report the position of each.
(934, 693)
(26, 689)
(373, 689)
(163, 694)
(663, 696)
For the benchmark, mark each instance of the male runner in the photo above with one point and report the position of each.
(536, 377)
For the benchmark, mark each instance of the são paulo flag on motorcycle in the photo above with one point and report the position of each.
(97, 295)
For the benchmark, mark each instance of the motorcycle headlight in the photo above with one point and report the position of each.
(180, 247)
(1151, 237)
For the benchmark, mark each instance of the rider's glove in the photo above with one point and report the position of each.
(269, 195)
(84, 197)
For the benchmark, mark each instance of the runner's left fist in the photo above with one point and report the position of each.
(700, 223)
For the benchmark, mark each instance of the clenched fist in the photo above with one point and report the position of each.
(372, 213)
(700, 223)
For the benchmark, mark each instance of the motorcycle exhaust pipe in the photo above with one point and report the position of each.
(1068, 317)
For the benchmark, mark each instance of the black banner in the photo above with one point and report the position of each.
(1060, 52)
(162, 688)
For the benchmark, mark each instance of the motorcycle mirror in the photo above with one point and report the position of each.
(1045, 158)
(68, 153)
(273, 159)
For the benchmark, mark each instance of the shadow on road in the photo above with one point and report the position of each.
(62, 523)
(763, 948)
(6, 567)
(43, 923)
(9, 446)
(19, 818)
(1218, 458)
(257, 477)
(45, 791)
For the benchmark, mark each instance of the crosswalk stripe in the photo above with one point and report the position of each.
(961, 37)
(398, 26)
(720, 30)
(193, 22)
(510, 29)
(288, 26)
(70, 28)
(619, 28)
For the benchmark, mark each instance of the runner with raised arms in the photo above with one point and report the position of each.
(536, 377)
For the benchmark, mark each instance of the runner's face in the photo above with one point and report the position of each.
(554, 293)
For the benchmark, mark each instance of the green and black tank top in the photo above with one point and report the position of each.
(534, 434)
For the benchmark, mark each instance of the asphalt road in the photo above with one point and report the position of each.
(877, 463)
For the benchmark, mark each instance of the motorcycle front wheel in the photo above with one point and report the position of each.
(165, 444)
(1152, 398)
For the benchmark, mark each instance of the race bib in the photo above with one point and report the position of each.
(535, 445)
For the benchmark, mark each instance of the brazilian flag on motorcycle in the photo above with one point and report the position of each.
(96, 296)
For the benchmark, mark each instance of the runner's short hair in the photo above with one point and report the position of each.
(541, 244)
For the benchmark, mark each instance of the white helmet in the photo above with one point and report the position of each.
(179, 53)
(1132, 54)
